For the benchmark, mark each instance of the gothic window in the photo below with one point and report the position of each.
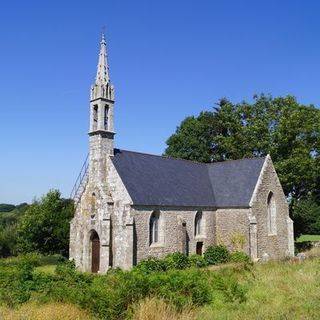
(272, 214)
(93, 204)
(106, 109)
(95, 117)
(198, 224)
(154, 227)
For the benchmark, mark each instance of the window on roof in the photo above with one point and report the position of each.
(272, 214)
(155, 227)
(198, 228)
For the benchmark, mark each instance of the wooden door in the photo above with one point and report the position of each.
(95, 249)
(199, 248)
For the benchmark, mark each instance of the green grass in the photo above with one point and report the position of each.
(49, 269)
(308, 237)
(281, 290)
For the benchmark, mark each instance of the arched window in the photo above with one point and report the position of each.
(106, 109)
(154, 227)
(95, 118)
(198, 224)
(93, 203)
(272, 214)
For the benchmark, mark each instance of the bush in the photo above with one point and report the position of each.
(113, 295)
(239, 256)
(216, 255)
(181, 287)
(177, 260)
(197, 261)
(151, 264)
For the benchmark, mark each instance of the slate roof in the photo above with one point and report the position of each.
(162, 181)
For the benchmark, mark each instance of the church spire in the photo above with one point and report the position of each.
(102, 87)
(101, 107)
(103, 67)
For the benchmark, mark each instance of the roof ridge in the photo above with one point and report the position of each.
(234, 160)
(164, 157)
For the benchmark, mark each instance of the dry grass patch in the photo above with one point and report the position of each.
(277, 290)
(50, 311)
(156, 309)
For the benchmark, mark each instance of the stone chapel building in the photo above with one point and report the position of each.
(132, 205)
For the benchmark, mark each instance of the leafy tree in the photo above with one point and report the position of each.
(8, 230)
(281, 127)
(306, 214)
(44, 227)
(8, 240)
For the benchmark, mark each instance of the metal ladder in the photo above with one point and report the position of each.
(81, 182)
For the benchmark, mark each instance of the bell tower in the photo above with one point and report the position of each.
(101, 132)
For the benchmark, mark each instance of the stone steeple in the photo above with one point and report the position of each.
(103, 67)
(102, 87)
(101, 130)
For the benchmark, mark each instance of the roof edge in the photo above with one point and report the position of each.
(259, 181)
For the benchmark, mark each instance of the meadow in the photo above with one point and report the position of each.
(36, 287)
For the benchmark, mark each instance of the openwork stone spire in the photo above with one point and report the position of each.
(103, 67)
(102, 88)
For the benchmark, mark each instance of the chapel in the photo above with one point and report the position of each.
(131, 205)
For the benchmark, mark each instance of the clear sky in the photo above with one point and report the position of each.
(168, 59)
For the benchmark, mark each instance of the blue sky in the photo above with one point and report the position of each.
(168, 60)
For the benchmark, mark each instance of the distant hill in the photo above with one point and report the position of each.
(5, 207)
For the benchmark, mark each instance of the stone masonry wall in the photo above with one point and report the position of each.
(232, 228)
(110, 218)
(172, 230)
(276, 246)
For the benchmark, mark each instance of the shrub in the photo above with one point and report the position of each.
(151, 264)
(217, 254)
(197, 261)
(177, 260)
(239, 256)
(181, 287)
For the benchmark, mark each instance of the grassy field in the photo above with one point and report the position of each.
(275, 290)
(309, 237)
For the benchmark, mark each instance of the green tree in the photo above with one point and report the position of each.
(306, 214)
(44, 227)
(281, 127)
(8, 230)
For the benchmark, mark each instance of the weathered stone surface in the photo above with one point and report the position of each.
(276, 245)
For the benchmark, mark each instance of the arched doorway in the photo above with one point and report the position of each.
(95, 252)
